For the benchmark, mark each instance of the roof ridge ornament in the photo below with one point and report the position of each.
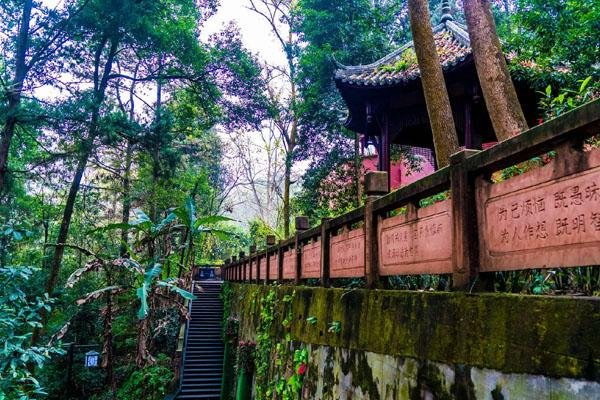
(446, 11)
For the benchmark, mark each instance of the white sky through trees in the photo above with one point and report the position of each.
(260, 41)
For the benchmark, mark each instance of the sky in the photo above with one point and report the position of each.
(255, 33)
(258, 39)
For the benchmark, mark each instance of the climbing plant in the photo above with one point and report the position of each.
(280, 369)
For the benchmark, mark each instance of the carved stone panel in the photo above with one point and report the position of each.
(417, 244)
(289, 264)
(253, 268)
(347, 254)
(273, 267)
(311, 260)
(547, 217)
(263, 268)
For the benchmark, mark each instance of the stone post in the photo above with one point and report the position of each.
(376, 185)
(233, 268)
(242, 266)
(325, 239)
(252, 254)
(301, 226)
(465, 242)
(270, 242)
(280, 262)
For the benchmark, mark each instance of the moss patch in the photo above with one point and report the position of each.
(551, 336)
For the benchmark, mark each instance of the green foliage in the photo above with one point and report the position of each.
(280, 368)
(152, 382)
(19, 313)
(245, 356)
(567, 99)
(264, 345)
(556, 34)
(334, 327)
(407, 59)
(352, 32)
(419, 282)
(259, 230)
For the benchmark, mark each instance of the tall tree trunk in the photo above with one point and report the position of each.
(445, 139)
(126, 197)
(286, 198)
(498, 90)
(63, 232)
(127, 173)
(143, 356)
(100, 85)
(107, 336)
(289, 160)
(14, 92)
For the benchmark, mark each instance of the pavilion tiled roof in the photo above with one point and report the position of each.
(400, 67)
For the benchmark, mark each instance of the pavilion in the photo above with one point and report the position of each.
(386, 103)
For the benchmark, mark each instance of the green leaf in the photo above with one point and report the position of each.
(110, 227)
(584, 84)
(211, 219)
(141, 221)
(162, 224)
(142, 294)
(183, 293)
(152, 273)
(182, 215)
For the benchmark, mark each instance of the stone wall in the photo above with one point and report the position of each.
(413, 345)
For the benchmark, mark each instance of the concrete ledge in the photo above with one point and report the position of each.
(551, 336)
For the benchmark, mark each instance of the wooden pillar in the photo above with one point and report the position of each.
(384, 163)
(376, 185)
(301, 226)
(468, 127)
(465, 258)
(325, 239)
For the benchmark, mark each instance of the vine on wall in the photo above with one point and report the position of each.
(280, 369)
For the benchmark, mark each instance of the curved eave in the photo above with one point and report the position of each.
(388, 83)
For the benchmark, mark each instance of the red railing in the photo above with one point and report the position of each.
(546, 217)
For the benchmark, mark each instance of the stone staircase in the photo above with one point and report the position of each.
(203, 359)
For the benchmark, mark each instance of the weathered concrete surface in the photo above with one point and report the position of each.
(343, 374)
(409, 345)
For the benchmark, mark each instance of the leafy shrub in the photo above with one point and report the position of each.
(19, 315)
(149, 383)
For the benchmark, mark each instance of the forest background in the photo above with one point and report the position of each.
(133, 145)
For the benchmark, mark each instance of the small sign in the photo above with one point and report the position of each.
(92, 359)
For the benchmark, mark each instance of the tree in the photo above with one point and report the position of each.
(498, 90)
(445, 139)
(33, 46)
(282, 88)
(552, 42)
(18, 312)
(115, 29)
(352, 32)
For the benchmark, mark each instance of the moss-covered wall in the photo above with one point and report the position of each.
(412, 343)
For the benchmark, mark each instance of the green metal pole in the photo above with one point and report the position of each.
(243, 385)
